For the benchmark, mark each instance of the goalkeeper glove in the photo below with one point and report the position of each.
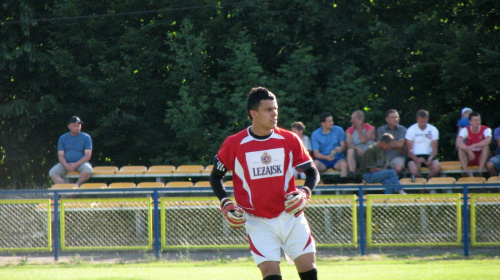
(234, 215)
(295, 202)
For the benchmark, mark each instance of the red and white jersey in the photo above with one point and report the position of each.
(263, 169)
(472, 138)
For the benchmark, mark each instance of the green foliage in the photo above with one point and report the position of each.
(165, 83)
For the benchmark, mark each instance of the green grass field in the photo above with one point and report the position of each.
(444, 267)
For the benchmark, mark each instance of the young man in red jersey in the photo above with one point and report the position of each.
(262, 158)
(473, 145)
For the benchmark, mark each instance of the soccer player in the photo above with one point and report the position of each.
(268, 203)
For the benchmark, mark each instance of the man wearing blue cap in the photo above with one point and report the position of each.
(74, 150)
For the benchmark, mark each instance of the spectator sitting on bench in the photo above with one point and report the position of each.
(473, 144)
(74, 150)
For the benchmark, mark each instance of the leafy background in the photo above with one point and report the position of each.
(164, 82)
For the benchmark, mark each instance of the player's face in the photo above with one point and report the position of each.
(475, 121)
(267, 115)
(392, 119)
(75, 128)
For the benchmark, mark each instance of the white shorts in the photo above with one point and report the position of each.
(268, 236)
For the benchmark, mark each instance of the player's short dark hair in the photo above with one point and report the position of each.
(386, 138)
(256, 95)
(474, 114)
(298, 126)
(324, 115)
(390, 111)
(422, 114)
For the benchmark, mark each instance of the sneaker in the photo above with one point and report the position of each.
(402, 192)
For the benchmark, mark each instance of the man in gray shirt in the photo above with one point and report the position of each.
(397, 154)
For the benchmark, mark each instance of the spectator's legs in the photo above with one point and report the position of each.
(485, 154)
(351, 159)
(386, 177)
(342, 166)
(57, 172)
(84, 176)
(435, 168)
(57, 179)
(464, 161)
(319, 165)
(493, 165)
(414, 169)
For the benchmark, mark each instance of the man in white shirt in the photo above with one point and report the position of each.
(422, 145)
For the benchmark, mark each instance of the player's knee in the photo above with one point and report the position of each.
(273, 277)
(309, 275)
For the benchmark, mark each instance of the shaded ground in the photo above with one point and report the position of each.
(16, 258)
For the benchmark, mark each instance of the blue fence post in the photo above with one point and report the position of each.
(361, 221)
(156, 224)
(465, 221)
(56, 237)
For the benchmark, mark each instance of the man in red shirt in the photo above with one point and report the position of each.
(262, 158)
(473, 144)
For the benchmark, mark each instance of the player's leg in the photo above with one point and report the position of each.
(270, 270)
(306, 266)
(57, 173)
(299, 244)
(265, 245)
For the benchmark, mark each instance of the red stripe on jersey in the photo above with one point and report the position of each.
(252, 247)
(309, 240)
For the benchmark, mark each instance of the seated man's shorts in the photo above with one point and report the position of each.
(408, 159)
(331, 164)
(267, 237)
(397, 160)
(496, 162)
(60, 170)
(475, 161)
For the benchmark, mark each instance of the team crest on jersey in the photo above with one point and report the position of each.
(265, 164)
(265, 158)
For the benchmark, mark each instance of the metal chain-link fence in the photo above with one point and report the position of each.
(394, 220)
(25, 224)
(124, 223)
(195, 223)
(485, 219)
(127, 223)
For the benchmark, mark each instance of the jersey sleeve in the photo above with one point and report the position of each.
(487, 132)
(225, 154)
(463, 133)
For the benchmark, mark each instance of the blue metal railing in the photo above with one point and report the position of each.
(196, 191)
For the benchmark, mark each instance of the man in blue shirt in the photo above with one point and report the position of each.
(74, 150)
(328, 145)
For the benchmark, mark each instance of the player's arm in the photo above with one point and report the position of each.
(216, 179)
(233, 214)
(312, 174)
(295, 202)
